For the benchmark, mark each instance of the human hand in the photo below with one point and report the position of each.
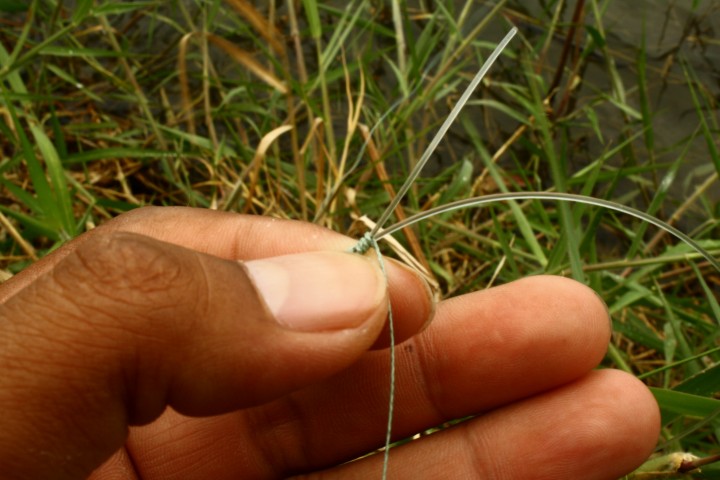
(103, 342)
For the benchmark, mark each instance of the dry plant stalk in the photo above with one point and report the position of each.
(260, 23)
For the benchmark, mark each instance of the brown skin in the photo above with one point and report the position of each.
(105, 341)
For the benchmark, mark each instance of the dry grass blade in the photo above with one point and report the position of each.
(701, 189)
(260, 23)
(257, 160)
(353, 117)
(315, 133)
(253, 167)
(186, 103)
(246, 60)
(384, 178)
(22, 243)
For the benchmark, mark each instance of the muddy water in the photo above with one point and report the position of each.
(673, 32)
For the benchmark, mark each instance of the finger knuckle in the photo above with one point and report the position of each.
(132, 274)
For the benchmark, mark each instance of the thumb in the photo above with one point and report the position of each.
(127, 325)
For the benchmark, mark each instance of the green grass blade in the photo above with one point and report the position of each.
(129, 152)
(681, 403)
(312, 14)
(13, 6)
(523, 223)
(82, 9)
(42, 188)
(558, 172)
(60, 190)
(14, 79)
(709, 294)
(704, 383)
(710, 137)
(28, 56)
(23, 196)
(36, 225)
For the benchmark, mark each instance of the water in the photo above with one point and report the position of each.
(674, 33)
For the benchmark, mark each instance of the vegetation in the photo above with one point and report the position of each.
(109, 105)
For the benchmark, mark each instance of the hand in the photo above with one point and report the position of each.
(145, 350)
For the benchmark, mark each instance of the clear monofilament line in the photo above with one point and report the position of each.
(567, 197)
(443, 130)
(370, 239)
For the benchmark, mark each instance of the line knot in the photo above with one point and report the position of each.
(363, 245)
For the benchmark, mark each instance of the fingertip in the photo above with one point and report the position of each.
(547, 330)
(620, 422)
(597, 308)
(640, 424)
(412, 302)
(585, 313)
(602, 426)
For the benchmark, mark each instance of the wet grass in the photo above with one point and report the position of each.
(112, 105)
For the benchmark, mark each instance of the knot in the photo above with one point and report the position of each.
(364, 244)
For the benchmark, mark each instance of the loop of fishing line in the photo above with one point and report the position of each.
(369, 240)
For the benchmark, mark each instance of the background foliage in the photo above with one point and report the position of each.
(268, 109)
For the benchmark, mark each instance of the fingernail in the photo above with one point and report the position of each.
(319, 291)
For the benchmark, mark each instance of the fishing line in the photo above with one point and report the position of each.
(364, 244)
(369, 240)
(566, 197)
(443, 130)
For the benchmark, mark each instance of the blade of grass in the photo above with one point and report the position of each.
(46, 205)
(558, 172)
(312, 15)
(524, 225)
(710, 138)
(686, 404)
(60, 191)
(674, 325)
(34, 51)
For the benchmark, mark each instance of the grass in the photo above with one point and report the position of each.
(114, 105)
